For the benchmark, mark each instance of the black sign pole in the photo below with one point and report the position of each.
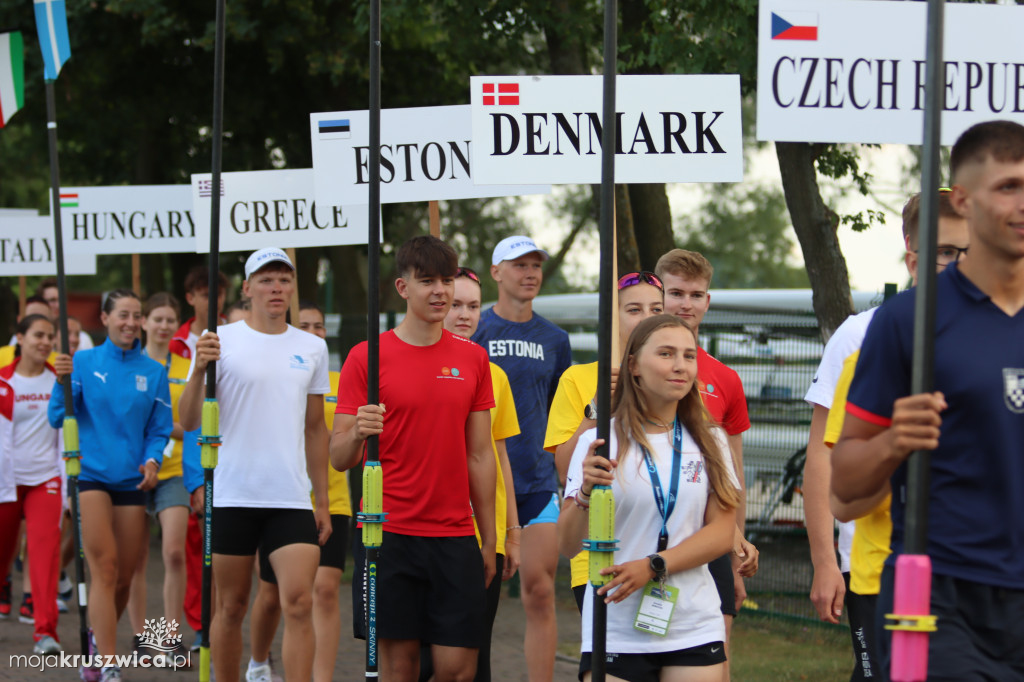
(209, 439)
(912, 593)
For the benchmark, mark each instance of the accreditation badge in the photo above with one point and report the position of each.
(656, 606)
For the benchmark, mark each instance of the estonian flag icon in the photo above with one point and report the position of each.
(337, 129)
(794, 26)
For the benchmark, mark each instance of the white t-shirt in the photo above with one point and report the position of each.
(34, 447)
(262, 384)
(697, 616)
(846, 339)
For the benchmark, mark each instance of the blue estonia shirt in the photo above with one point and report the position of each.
(976, 513)
(534, 355)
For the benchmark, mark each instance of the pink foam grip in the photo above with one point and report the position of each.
(912, 596)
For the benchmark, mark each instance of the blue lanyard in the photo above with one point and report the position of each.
(659, 496)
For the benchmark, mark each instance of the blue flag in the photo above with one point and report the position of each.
(52, 27)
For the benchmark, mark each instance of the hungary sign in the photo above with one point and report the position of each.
(548, 129)
(273, 208)
(854, 71)
(426, 154)
(127, 219)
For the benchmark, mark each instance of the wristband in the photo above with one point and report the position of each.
(579, 502)
(513, 528)
(586, 495)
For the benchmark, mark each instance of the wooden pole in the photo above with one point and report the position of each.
(21, 296)
(136, 274)
(435, 219)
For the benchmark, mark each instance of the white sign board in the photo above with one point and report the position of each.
(548, 129)
(26, 248)
(127, 219)
(854, 71)
(425, 156)
(273, 208)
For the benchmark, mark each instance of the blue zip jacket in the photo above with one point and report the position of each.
(123, 406)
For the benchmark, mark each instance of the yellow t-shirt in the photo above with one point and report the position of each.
(504, 424)
(176, 377)
(576, 389)
(872, 532)
(337, 481)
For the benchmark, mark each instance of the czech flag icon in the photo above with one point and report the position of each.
(794, 26)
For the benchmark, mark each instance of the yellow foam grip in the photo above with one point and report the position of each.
(602, 529)
(211, 434)
(373, 503)
(72, 456)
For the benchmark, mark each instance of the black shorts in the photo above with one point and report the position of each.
(721, 571)
(538, 508)
(118, 498)
(980, 632)
(428, 589)
(647, 667)
(241, 531)
(332, 554)
(860, 609)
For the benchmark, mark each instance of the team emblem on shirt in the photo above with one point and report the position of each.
(140, 383)
(299, 362)
(450, 373)
(692, 470)
(1013, 384)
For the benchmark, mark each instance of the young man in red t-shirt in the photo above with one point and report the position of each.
(687, 277)
(434, 426)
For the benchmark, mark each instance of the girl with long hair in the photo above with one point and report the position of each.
(30, 472)
(675, 509)
(169, 501)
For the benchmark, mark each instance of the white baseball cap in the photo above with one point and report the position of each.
(260, 258)
(513, 247)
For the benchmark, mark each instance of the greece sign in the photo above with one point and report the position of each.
(854, 71)
(548, 129)
(127, 219)
(26, 248)
(425, 155)
(273, 208)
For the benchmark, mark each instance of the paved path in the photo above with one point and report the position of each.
(507, 662)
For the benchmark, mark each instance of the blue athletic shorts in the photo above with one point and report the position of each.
(537, 508)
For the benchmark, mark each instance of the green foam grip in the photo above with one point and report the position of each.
(373, 504)
(602, 530)
(210, 434)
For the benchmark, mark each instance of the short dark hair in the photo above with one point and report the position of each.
(305, 304)
(198, 278)
(427, 256)
(36, 298)
(912, 215)
(1002, 140)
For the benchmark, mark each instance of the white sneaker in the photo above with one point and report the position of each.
(111, 674)
(260, 673)
(47, 645)
(62, 606)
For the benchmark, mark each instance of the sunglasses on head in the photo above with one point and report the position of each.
(642, 277)
(466, 272)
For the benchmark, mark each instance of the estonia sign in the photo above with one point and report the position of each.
(425, 155)
(273, 208)
(548, 129)
(127, 219)
(854, 71)
(26, 248)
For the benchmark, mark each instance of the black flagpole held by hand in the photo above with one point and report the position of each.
(72, 454)
(209, 439)
(911, 619)
(372, 515)
(601, 531)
